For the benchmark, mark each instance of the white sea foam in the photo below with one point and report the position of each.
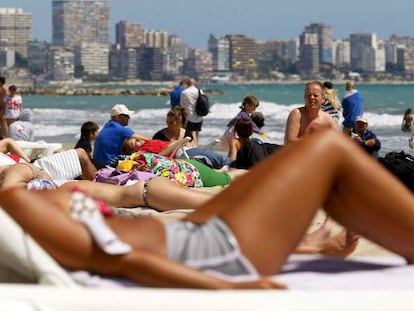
(63, 125)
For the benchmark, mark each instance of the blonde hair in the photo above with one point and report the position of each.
(330, 95)
(349, 85)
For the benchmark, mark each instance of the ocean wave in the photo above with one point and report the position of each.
(63, 125)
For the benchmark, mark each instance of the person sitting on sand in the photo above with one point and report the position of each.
(365, 138)
(88, 133)
(304, 120)
(245, 150)
(249, 228)
(248, 106)
(175, 131)
(110, 139)
(22, 129)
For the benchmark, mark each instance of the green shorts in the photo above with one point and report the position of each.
(209, 176)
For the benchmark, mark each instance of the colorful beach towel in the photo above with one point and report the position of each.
(179, 171)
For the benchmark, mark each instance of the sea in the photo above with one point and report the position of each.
(57, 119)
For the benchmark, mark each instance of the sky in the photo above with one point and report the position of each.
(195, 20)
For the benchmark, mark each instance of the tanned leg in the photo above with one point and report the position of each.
(270, 209)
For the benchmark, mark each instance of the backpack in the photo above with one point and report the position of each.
(401, 165)
(202, 106)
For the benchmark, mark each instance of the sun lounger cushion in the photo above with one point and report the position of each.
(23, 260)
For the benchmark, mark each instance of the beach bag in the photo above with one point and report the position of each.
(117, 177)
(401, 165)
(202, 106)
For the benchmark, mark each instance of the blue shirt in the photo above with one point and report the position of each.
(353, 106)
(175, 96)
(370, 135)
(109, 141)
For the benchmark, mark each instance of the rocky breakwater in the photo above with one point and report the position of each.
(103, 91)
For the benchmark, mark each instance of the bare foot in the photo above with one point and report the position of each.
(340, 245)
(317, 236)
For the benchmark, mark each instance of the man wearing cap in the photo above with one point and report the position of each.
(110, 139)
(364, 137)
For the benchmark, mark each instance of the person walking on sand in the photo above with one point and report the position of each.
(309, 118)
(188, 100)
(175, 94)
(353, 106)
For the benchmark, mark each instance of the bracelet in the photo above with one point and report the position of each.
(145, 191)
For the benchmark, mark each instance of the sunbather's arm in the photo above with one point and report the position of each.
(139, 136)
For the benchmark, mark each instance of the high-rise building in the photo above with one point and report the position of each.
(80, 21)
(315, 47)
(152, 63)
(324, 33)
(38, 55)
(243, 54)
(220, 50)
(15, 30)
(308, 64)
(156, 39)
(362, 46)
(92, 58)
(341, 53)
(129, 35)
(61, 64)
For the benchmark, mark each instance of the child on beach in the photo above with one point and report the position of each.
(13, 108)
(89, 132)
(248, 106)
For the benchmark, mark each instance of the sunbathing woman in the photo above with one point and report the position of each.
(9, 145)
(257, 221)
(175, 130)
(160, 165)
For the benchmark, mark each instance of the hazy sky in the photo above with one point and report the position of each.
(194, 20)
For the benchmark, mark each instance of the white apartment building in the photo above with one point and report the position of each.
(15, 30)
(93, 57)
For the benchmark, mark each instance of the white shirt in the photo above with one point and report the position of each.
(188, 99)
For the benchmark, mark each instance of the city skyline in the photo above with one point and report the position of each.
(266, 20)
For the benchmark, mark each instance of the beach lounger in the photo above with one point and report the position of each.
(38, 149)
(22, 260)
(315, 282)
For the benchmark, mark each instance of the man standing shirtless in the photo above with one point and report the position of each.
(309, 118)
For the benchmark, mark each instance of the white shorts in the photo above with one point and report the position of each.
(211, 247)
(62, 166)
